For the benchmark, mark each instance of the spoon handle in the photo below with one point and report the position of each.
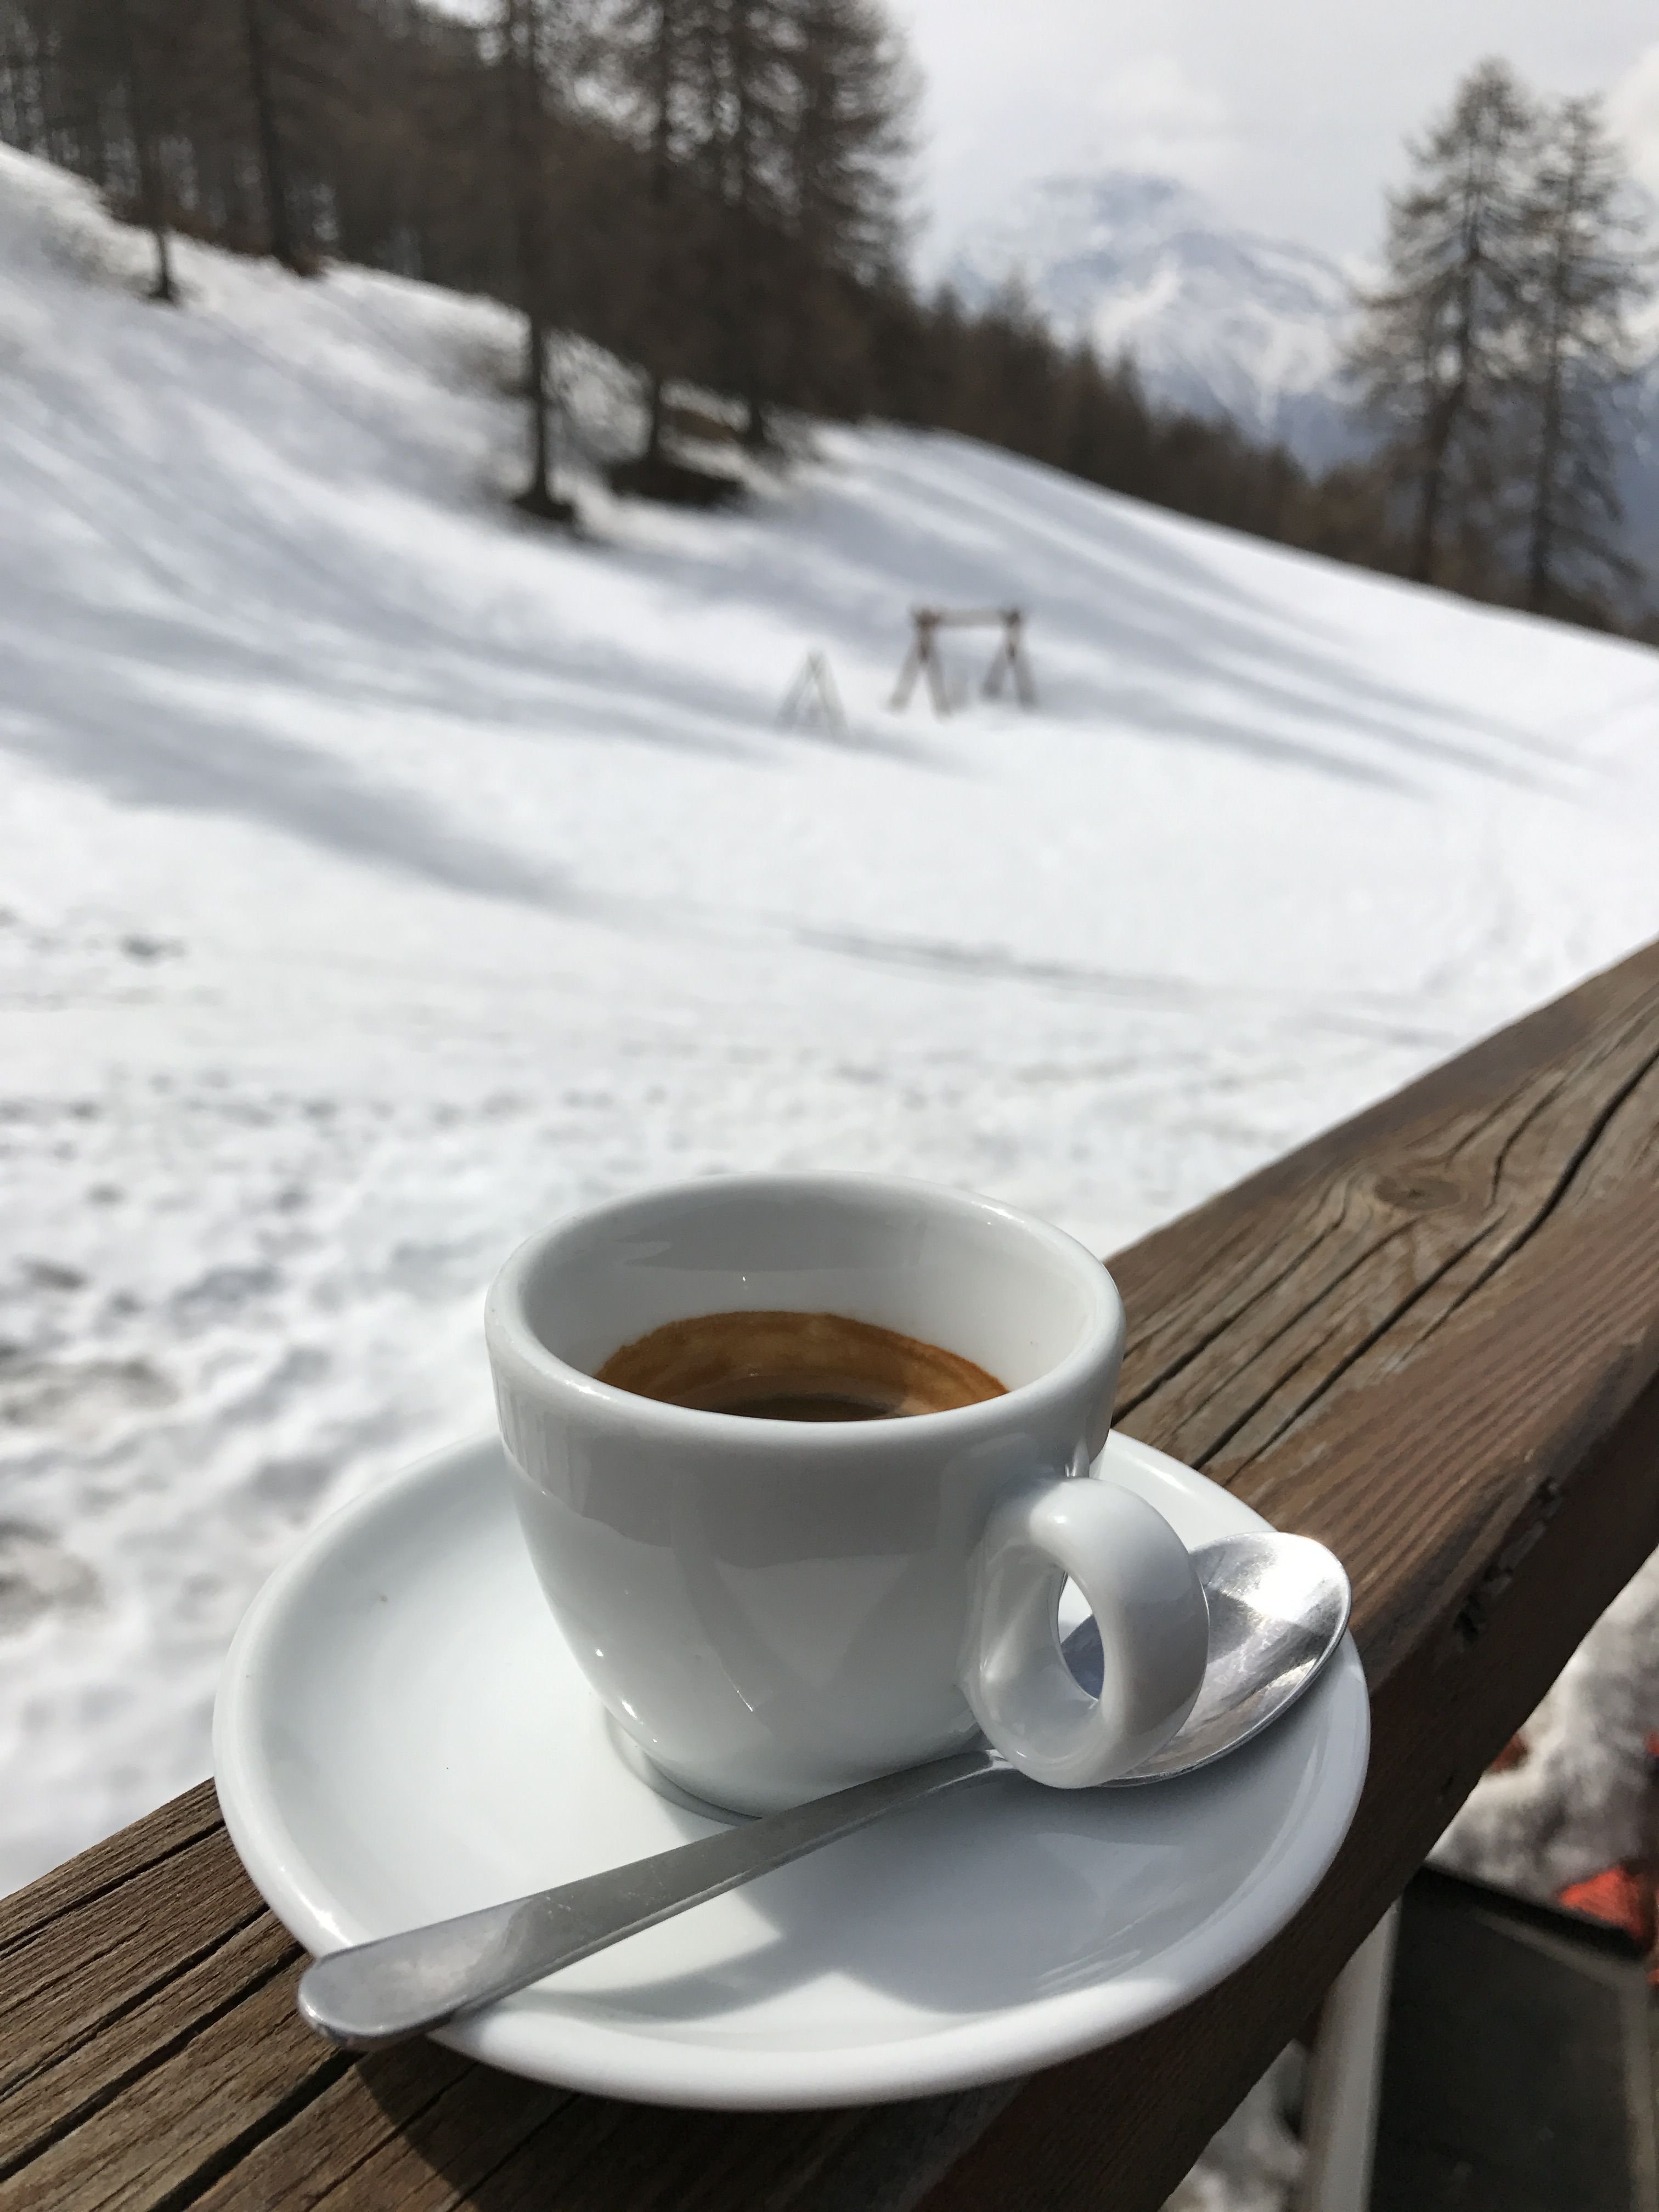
(407, 1984)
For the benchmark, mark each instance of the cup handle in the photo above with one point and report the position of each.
(1137, 1579)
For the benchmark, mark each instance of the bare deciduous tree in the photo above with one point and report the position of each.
(1584, 269)
(1434, 350)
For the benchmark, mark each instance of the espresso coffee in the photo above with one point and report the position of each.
(796, 1367)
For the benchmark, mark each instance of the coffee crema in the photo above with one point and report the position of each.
(775, 1366)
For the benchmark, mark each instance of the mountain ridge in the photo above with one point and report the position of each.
(1218, 319)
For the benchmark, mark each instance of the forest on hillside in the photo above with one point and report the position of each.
(716, 191)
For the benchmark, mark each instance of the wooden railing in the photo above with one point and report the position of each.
(1430, 1337)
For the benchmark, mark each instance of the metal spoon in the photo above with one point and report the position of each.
(1279, 1606)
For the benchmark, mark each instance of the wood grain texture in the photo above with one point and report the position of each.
(1430, 1337)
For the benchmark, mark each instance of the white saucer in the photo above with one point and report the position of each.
(401, 1735)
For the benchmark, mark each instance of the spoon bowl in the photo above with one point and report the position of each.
(1279, 1608)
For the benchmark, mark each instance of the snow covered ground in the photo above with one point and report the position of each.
(380, 877)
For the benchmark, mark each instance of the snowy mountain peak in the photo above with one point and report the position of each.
(1217, 319)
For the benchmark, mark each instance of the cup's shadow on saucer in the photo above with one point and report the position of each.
(1002, 1893)
(647, 1771)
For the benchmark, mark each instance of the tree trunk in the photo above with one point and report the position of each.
(1426, 536)
(658, 310)
(1541, 532)
(522, 58)
(151, 191)
(1540, 536)
(1437, 444)
(656, 408)
(273, 175)
(750, 302)
(537, 494)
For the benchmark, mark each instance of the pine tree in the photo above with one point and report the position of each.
(1436, 349)
(1584, 269)
(847, 99)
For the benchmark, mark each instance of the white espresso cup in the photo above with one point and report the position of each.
(773, 1609)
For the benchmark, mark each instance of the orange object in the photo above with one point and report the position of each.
(1622, 1896)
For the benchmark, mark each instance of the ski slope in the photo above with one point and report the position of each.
(382, 876)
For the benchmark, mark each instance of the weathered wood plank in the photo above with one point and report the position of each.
(81, 1881)
(81, 2077)
(413, 2129)
(78, 1975)
(206, 2099)
(1430, 1337)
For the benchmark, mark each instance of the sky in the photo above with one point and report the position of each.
(1290, 114)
